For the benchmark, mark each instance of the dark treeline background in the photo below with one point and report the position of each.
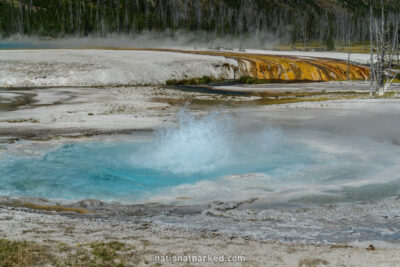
(292, 20)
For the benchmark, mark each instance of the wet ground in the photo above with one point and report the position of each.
(30, 112)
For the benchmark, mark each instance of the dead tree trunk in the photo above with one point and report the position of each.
(382, 74)
(372, 69)
(381, 79)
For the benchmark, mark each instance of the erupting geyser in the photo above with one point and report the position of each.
(193, 146)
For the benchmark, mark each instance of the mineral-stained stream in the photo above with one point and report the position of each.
(291, 68)
(299, 69)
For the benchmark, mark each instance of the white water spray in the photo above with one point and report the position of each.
(195, 145)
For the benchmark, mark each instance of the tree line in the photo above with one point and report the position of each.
(292, 20)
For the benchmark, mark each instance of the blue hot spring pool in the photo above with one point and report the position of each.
(200, 158)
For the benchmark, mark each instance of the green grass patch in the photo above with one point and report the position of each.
(251, 80)
(389, 94)
(277, 101)
(265, 98)
(107, 251)
(193, 81)
(329, 45)
(397, 79)
(25, 253)
(21, 253)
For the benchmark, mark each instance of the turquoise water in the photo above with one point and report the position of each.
(204, 149)
(24, 45)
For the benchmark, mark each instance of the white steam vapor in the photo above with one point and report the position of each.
(166, 39)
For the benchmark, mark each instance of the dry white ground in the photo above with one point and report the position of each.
(36, 68)
(355, 57)
(150, 241)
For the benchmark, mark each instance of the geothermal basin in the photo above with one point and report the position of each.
(219, 156)
(298, 162)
